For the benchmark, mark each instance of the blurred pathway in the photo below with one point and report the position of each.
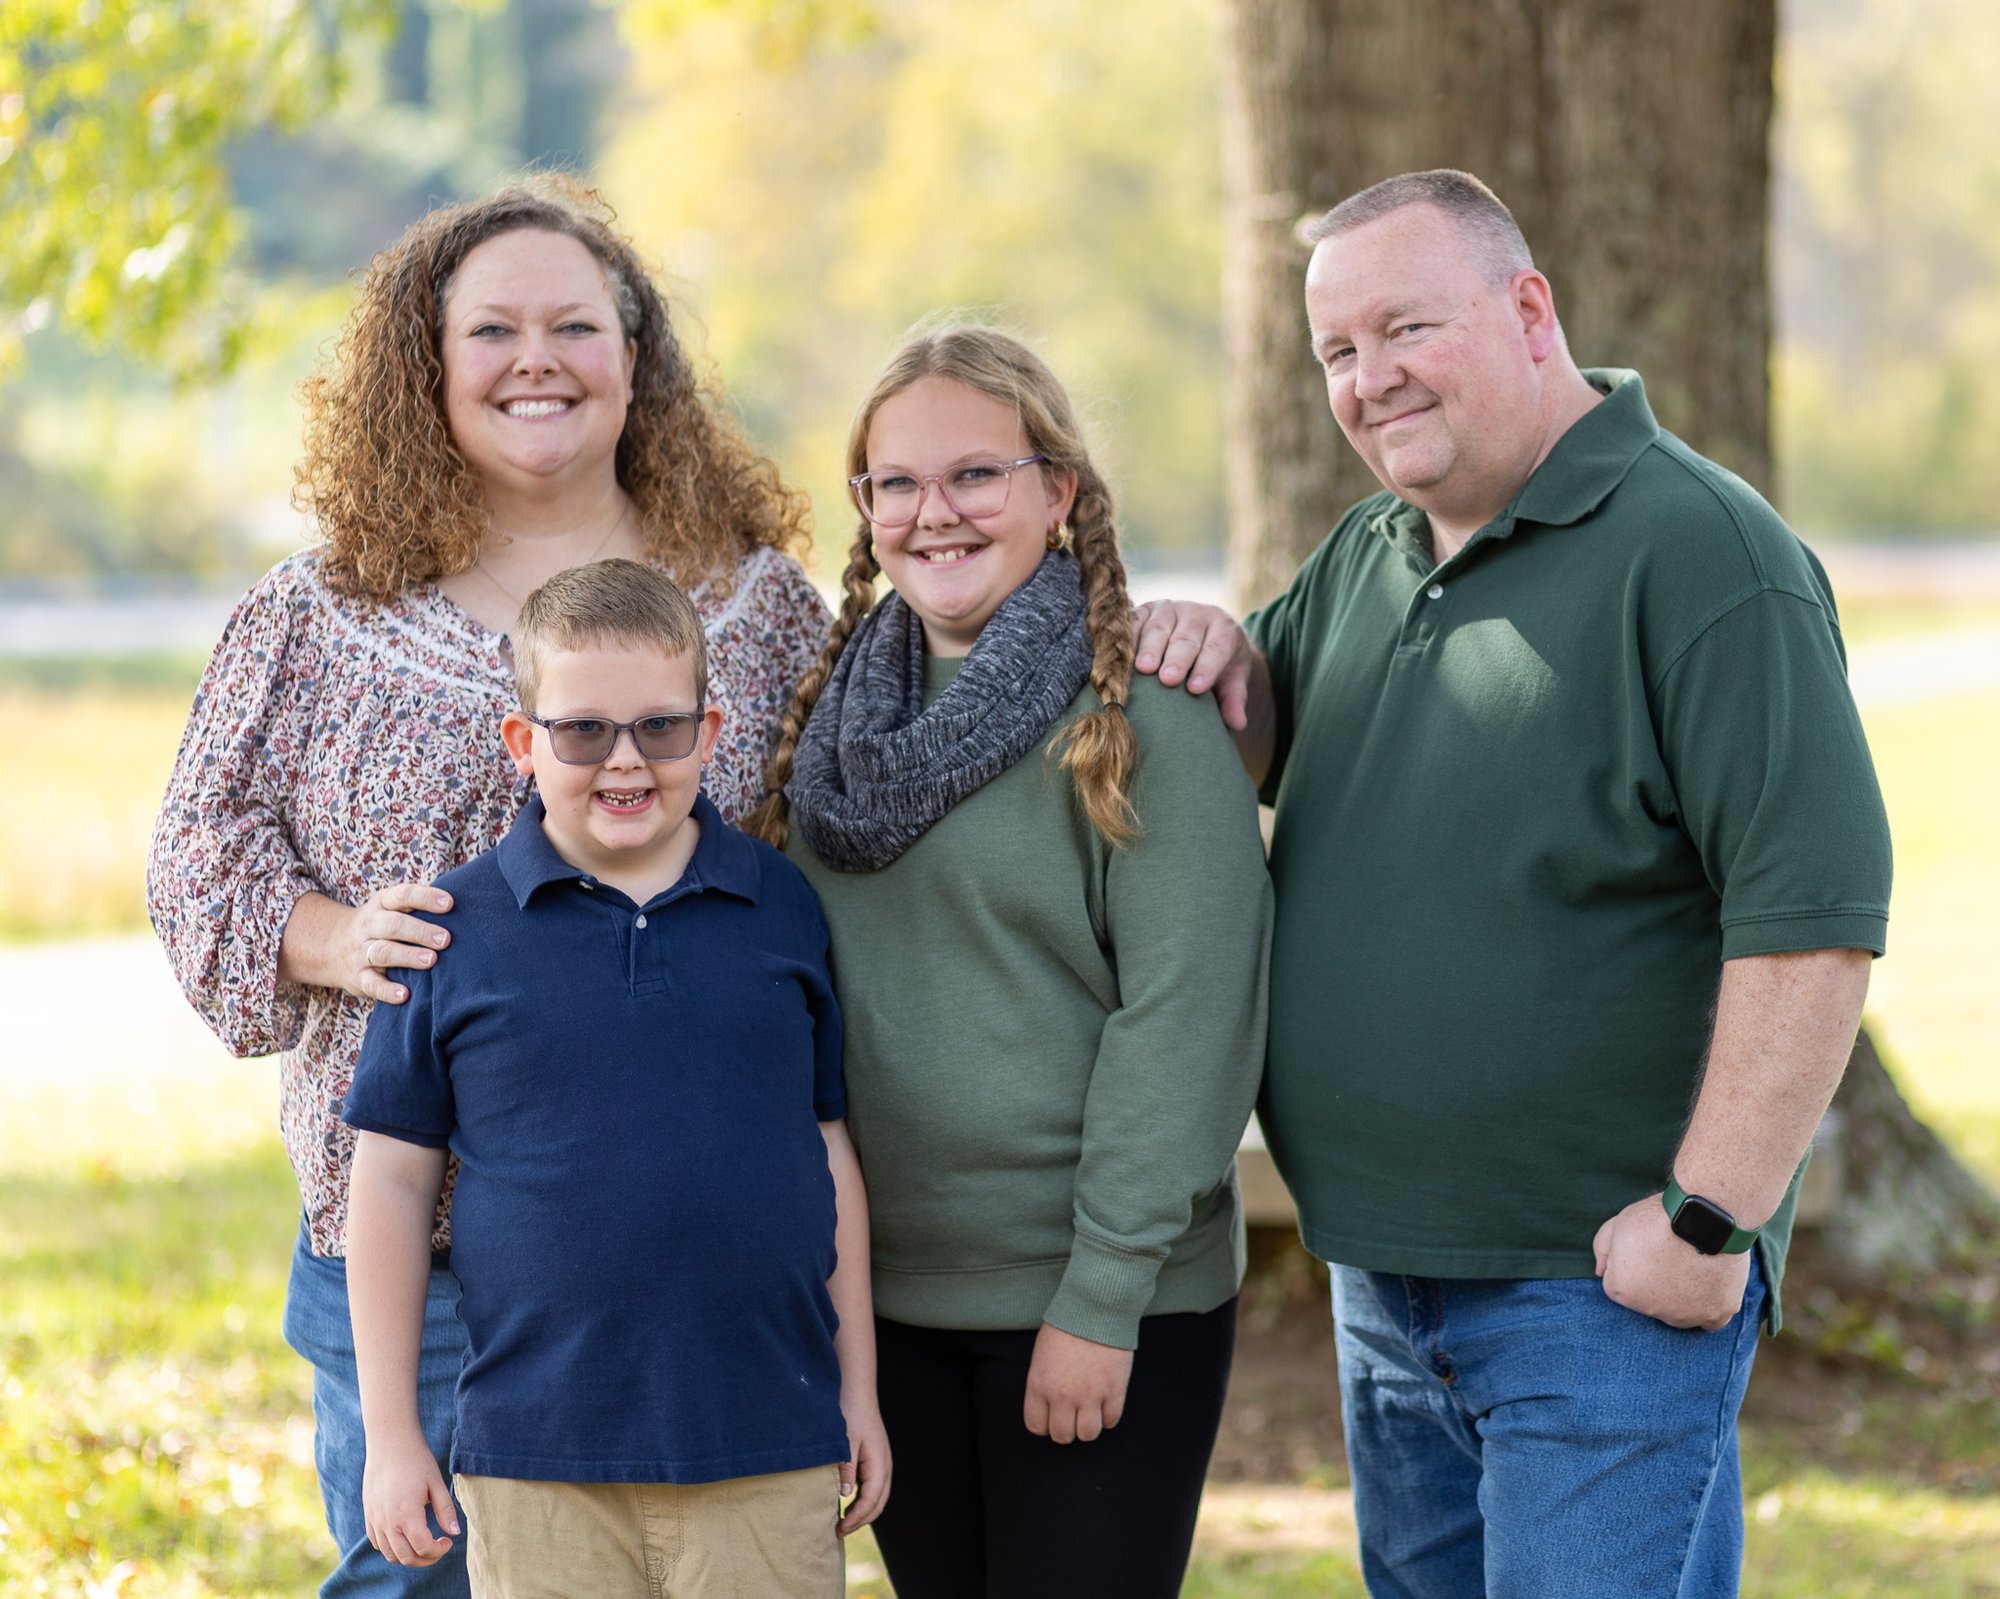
(105, 1068)
(86, 1008)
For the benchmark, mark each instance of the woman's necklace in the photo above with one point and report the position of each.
(479, 561)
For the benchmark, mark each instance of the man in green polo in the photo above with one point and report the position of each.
(1580, 863)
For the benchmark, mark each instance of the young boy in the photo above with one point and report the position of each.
(633, 1050)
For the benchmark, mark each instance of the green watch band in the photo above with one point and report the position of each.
(1703, 1223)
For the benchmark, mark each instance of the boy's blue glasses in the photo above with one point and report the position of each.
(589, 740)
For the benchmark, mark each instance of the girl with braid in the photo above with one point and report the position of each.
(1050, 921)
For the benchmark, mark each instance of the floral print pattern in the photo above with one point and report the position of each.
(338, 746)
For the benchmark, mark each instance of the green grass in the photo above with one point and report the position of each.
(151, 1421)
(86, 768)
(155, 1435)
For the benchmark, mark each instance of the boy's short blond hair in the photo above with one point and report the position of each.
(607, 602)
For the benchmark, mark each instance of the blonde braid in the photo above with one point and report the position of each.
(1100, 750)
(771, 820)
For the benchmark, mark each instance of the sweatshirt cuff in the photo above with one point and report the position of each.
(1103, 1293)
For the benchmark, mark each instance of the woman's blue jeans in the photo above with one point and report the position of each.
(317, 1326)
(1530, 1439)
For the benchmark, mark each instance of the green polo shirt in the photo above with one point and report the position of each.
(1528, 801)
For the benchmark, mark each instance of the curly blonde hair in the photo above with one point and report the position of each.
(396, 502)
(1100, 750)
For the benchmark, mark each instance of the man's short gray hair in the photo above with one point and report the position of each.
(1498, 248)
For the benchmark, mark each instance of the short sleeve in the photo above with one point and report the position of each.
(402, 1082)
(1774, 781)
(829, 1074)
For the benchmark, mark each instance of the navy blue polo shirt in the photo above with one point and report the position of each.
(644, 1219)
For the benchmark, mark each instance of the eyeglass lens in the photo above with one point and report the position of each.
(585, 740)
(977, 488)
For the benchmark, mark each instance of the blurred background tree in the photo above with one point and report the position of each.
(187, 183)
(186, 186)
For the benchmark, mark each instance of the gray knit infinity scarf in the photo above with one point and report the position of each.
(874, 770)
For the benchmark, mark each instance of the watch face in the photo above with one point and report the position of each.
(1703, 1225)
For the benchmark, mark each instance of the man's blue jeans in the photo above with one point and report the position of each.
(1529, 1439)
(317, 1326)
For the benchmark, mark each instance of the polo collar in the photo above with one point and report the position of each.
(1587, 463)
(1592, 458)
(724, 859)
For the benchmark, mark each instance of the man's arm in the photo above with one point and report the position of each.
(391, 1202)
(1784, 1026)
(865, 1474)
(1203, 644)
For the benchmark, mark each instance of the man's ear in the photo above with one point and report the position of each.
(1535, 305)
(518, 734)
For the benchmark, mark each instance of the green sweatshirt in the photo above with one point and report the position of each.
(1053, 1046)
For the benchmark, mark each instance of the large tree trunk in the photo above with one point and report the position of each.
(1631, 142)
(1629, 139)
(1899, 1200)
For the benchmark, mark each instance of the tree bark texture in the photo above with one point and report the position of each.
(1631, 142)
(1902, 1200)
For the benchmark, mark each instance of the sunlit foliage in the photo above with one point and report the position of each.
(114, 118)
(1049, 164)
(1888, 264)
(819, 173)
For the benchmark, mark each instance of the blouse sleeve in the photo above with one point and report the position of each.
(223, 872)
(769, 641)
(796, 627)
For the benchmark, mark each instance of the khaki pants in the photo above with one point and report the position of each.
(746, 1538)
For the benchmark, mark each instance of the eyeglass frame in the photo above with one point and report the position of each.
(1010, 468)
(619, 730)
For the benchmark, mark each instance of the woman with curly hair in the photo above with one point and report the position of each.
(1050, 920)
(507, 401)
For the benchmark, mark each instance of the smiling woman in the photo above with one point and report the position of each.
(506, 402)
(538, 370)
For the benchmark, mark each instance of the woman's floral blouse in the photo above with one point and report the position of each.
(341, 745)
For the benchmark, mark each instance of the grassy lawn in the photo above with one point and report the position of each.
(155, 1435)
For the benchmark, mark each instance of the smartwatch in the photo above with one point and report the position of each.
(1703, 1223)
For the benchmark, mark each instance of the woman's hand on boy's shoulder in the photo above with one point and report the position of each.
(866, 1475)
(1076, 1388)
(400, 1483)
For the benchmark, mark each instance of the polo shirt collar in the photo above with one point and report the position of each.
(1587, 463)
(1592, 458)
(724, 859)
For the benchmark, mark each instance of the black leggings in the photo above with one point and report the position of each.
(981, 1508)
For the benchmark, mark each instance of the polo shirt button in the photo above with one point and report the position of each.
(1435, 591)
(586, 882)
(641, 922)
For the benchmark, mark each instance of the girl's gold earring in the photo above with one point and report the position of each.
(1059, 536)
